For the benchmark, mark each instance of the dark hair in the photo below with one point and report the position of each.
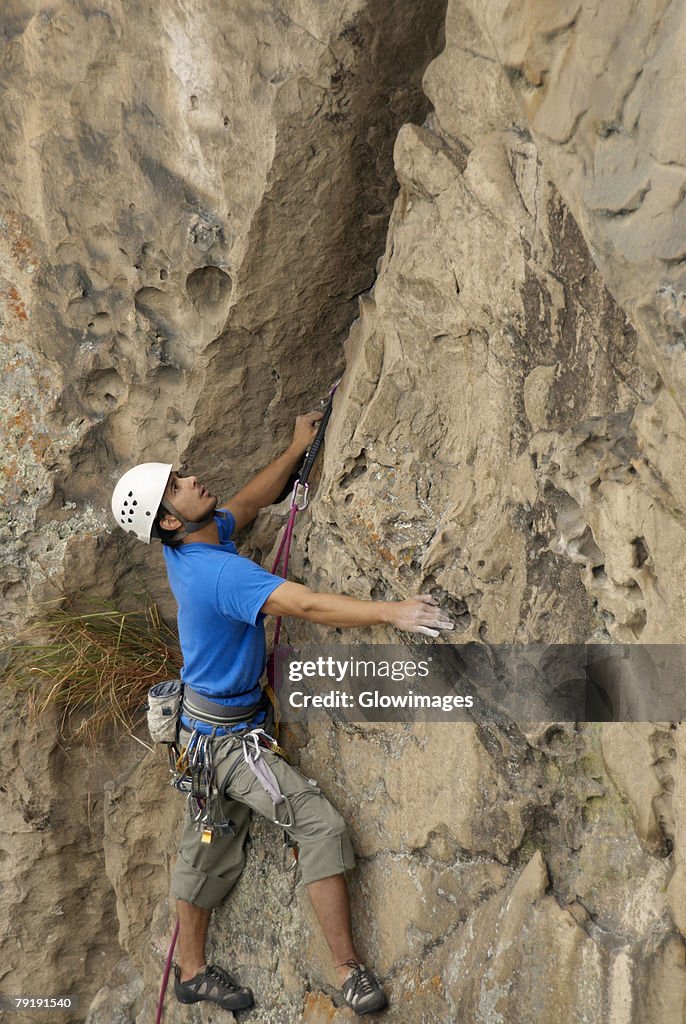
(168, 537)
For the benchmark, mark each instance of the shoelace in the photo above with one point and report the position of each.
(360, 980)
(223, 977)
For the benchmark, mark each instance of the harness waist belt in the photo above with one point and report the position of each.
(195, 705)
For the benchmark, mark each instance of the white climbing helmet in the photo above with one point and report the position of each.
(138, 496)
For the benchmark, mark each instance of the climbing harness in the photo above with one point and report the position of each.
(193, 773)
(253, 743)
(196, 707)
(192, 768)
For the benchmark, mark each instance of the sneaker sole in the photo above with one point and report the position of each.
(372, 1009)
(239, 1003)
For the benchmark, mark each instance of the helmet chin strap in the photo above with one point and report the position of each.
(189, 526)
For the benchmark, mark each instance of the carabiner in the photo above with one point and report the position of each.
(299, 497)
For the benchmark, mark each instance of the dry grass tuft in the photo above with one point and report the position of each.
(94, 666)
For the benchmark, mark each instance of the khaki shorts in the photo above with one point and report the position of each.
(206, 872)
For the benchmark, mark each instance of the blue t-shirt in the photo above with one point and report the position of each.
(219, 594)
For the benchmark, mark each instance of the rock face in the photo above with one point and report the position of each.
(597, 89)
(172, 180)
(193, 209)
(59, 911)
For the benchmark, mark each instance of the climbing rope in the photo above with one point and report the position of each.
(299, 502)
(167, 972)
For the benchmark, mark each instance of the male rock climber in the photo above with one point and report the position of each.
(222, 599)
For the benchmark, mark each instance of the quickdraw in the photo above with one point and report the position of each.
(193, 773)
(299, 502)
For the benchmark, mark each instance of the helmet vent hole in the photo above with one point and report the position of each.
(148, 513)
(130, 494)
(125, 504)
(134, 502)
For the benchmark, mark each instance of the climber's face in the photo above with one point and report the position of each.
(189, 498)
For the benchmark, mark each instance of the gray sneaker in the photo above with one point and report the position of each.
(216, 986)
(361, 990)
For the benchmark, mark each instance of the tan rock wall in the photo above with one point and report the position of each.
(193, 199)
(58, 926)
(597, 85)
(193, 211)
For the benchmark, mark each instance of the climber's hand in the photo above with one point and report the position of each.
(305, 431)
(420, 614)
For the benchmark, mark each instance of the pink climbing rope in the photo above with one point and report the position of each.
(167, 972)
(283, 554)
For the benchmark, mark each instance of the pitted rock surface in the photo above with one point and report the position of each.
(477, 215)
